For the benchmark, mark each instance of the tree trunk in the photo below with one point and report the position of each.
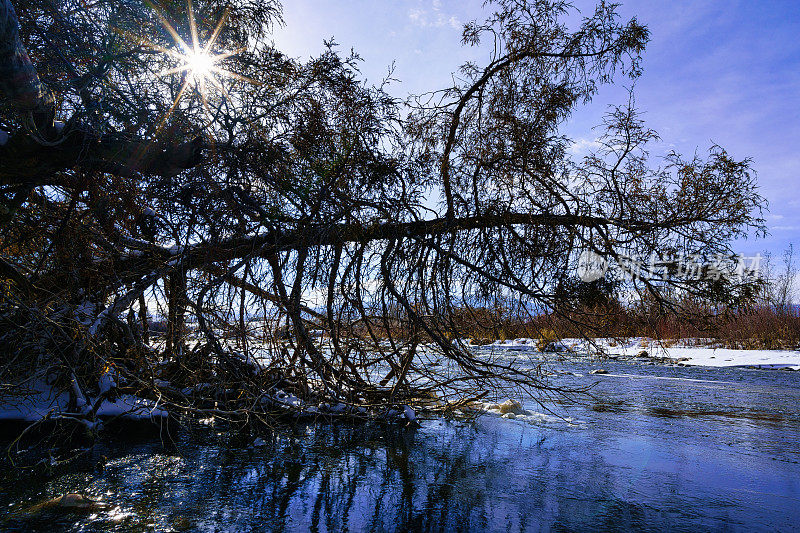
(145, 325)
(176, 294)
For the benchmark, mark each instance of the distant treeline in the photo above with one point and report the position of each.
(760, 327)
(768, 318)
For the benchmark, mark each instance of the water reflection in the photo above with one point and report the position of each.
(648, 455)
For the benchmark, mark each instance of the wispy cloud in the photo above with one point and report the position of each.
(583, 146)
(433, 17)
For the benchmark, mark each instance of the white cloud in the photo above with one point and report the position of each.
(418, 17)
(583, 146)
(433, 17)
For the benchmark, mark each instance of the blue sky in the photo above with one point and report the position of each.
(717, 71)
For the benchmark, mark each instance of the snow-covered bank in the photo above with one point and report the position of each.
(692, 352)
(40, 401)
(721, 357)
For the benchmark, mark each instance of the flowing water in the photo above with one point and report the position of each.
(656, 448)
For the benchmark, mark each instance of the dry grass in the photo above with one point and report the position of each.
(753, 328)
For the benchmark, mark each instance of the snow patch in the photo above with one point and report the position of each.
(42, 401)
(108, 381)
(513, 410)
(131, 408)
(715, 357)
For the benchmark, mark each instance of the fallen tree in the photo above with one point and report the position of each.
(278, 213)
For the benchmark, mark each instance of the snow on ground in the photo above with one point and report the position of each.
(719, 357)
(131, 408)
(693, 352)
(40, 400)
(37, 404)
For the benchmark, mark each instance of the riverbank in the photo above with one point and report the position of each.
(690, 352)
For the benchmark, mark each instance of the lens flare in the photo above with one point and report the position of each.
(197, 62)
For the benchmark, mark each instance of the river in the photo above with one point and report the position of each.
(655, 448)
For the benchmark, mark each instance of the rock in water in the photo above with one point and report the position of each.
(510, 406)
(554, 347)
(68, 503)
(76, 501)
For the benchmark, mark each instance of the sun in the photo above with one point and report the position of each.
(199, 63)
